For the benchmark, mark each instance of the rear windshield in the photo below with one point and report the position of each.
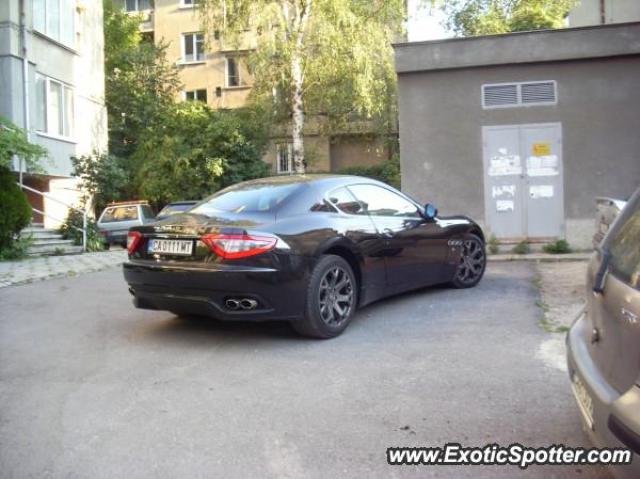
(251, 198)
(172, 209)
(119, 213)
(624, 245)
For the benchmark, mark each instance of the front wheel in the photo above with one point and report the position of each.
(331, 299)
(473, 262)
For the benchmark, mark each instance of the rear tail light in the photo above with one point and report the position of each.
(238, 246)
(134, 238)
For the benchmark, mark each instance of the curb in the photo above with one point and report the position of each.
(541, 257)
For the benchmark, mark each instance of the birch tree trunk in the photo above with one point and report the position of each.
(302, 12)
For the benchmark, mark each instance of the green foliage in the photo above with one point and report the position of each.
(557, 247)
(104, 178)
(95, 241)
(13, 141)
(343, 47)
(140, 83)
(521, 248)
(388, 171)
(17, 250)
(15, 213)
(197, 151)
(493, 244)
(486, 17)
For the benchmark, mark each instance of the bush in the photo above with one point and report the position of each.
(557, 247)
(493, 244)
(521, 248)
(95, 241)
(15, 210)
(18, 248)
(387, 171)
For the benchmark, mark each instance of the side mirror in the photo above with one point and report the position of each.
(430, 211)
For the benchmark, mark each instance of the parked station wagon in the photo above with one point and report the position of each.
(117, 218)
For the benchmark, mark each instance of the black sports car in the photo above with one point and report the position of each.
(307, 249)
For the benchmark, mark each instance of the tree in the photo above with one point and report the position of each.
(486, 17)
(13, 142)
(140, 83)
(197, 150)
(329, 58)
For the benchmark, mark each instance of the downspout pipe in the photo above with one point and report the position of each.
(25, 76)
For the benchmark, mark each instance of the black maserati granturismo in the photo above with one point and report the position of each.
(308, 249)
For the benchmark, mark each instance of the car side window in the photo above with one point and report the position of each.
(342, 199)
(624, 247)
(378, 201)
(146, 212)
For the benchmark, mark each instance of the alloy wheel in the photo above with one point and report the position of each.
(335, 296)
(472, 261)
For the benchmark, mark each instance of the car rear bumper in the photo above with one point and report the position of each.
(616, 417)
(279, 295)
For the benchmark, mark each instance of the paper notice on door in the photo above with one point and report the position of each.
(504, 165)
(543, 165)
(503, 190)
(541, 149)
(504, 206)
(540, 191)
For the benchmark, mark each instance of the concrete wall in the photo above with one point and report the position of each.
(348, 151)
(441, 118)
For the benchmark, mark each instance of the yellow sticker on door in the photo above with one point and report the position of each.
(541, 149)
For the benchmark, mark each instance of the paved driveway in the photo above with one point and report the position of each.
(90, 387)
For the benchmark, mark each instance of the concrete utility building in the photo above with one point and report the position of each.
(522, 131)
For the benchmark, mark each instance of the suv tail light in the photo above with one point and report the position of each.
(134, 238)
(238, 246)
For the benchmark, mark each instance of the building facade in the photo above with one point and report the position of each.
(52, 85)
(522, 131)
(216, 73)
(600, 12)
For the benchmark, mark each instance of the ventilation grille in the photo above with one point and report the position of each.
(539, 92)
(500, 95)
(504, 95)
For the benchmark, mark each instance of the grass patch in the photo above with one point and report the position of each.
(557, 247)
(521, 248)
(493, 245)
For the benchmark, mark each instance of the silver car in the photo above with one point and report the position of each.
(603, 344)
(117, 218)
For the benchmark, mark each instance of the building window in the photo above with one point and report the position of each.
(55, 19)
(284, 157)
(189, 3)
(506, 95)
(54, 107)
(138, 5)
(193, 47)
(196, 95)
(233, 72)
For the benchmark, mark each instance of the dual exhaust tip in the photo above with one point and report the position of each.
(245, 304)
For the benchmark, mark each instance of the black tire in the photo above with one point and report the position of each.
(332, 289)
(473, 262)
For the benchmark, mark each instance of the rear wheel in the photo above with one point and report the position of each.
(331, 299)
(473, 262)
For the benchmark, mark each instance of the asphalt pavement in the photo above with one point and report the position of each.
(92, 388)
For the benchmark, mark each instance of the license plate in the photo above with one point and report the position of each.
(585, 402)
(168, 246)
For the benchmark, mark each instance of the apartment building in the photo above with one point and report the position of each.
(600, 12)
(52, 85)
(215, 72)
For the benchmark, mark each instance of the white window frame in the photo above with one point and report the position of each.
(518, 86)
(289, 147)
(186, 92)
(64, 88)
(226, 72)
(138, 9)
(194, 37)
(61, 22)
